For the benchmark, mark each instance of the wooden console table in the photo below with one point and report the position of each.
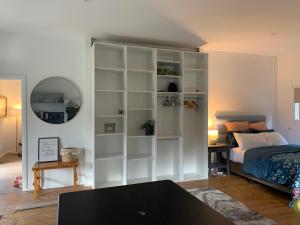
(37, 168)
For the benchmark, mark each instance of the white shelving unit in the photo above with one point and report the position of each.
(131, 86)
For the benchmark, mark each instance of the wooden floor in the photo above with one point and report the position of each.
(266, 201)
(10, 167)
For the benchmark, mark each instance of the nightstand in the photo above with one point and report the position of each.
(218, 149)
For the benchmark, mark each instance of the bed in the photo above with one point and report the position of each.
(273, 166)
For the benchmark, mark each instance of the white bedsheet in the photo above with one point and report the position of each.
(236, 155)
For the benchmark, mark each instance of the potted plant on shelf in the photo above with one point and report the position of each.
(148, 127)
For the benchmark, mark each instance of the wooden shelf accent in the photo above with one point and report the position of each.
(38, 168)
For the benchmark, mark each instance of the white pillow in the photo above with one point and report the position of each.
(247, 141)
(274, 138)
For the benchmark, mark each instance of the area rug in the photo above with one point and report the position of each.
(236, 211)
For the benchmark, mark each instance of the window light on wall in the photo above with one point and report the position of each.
(297, 102)
(3, 107)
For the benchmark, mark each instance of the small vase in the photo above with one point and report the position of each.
(149, 130)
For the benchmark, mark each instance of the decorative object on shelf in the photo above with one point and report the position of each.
(55, 100)
(3, 107)
(170, 101)
(148, 127)
(168, 68)
(70, 154)
(172, 87)
(192, 103)
(48, 149)
(120, 112)
(213, 136)
(166, 71)
(109, 127)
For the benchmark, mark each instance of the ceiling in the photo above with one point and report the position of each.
(267, 27)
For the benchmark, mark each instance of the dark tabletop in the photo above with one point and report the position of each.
(153, 203)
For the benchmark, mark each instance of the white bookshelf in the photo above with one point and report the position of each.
(131, 86)
(195, 86)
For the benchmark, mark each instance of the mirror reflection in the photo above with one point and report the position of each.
(55, 100)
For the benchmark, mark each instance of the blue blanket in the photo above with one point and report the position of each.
(276, 164)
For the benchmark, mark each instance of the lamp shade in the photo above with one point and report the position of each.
(16, 110)
(213, 136)
(3, 107)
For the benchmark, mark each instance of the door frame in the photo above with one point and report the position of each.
(22, 78)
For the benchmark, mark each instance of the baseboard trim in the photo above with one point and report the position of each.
(8, 152)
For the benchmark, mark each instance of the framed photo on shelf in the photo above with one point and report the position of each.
(109, 127)
(48, 149)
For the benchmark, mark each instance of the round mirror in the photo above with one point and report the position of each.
(55, 100)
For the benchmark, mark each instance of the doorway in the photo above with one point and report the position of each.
(13, 169)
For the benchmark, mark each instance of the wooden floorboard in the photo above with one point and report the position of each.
(10, 167)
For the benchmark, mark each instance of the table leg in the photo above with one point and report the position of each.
(35, 184)
(228, 162)
(75, 179)
(42, 179)
(209, 163)
(39, 180)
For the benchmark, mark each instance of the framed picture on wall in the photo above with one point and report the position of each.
(48, 149)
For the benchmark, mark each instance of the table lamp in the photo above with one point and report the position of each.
(213, 136)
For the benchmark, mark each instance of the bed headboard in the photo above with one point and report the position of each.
(233, 117)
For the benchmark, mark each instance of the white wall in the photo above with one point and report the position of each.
(237, 82)
(39, 57)
(242, 83)
(288, 76)
(12, 90)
